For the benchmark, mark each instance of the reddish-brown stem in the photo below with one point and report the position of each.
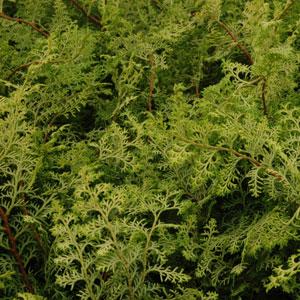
(92, 18)
(35, 233)
(21, 67)
(197, 90)
(151, 82)
(46, 136)
(33, 25)
(250, 61)
(255, 162)
(235, 40)
(14, 251)
(196, 85)
(27, 65)
(36, 62)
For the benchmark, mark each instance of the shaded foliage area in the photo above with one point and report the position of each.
(149, 149)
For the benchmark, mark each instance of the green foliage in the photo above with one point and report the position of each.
(149, 149)
(286, 278)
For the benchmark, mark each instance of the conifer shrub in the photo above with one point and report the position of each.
(149, 149)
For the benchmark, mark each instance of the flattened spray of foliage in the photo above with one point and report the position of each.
(149, 149)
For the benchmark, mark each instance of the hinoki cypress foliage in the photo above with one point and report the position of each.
(149, 149)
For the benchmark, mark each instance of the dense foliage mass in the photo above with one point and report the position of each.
(149, 149)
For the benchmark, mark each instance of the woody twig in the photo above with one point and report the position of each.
(33, 25)
(14, 251)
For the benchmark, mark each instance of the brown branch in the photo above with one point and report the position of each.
(196, 86)
(235, 40)
(34, 231)
(250, 61)
(34, 62)
(197, 91)
(151, 82)
(33, 25)
(38, 62)
(263, 91)
(255, 162)
(51, 122)
(14, 251)
(21, 67)
(92, 18)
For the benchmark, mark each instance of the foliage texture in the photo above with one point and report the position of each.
(149, 149)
